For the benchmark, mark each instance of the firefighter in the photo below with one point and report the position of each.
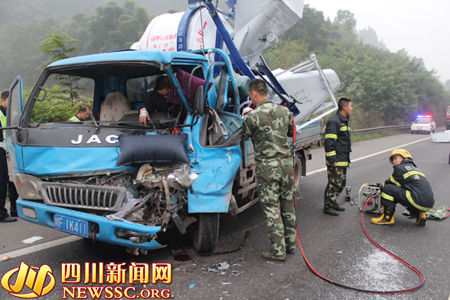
(337, 154)
(408, 186)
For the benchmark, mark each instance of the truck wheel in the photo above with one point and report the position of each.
(297, 174)
(206, 233)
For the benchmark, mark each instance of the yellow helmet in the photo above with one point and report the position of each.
(404, 153)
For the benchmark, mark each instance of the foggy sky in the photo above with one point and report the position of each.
(419, 27)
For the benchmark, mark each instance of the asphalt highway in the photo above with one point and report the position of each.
(335, 246)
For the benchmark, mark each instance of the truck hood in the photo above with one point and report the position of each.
(69, 149)
(41, 161)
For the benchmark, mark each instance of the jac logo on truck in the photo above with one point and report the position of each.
(110, 139)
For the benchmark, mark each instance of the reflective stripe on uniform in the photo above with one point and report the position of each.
(387, 197)
(410, 199)
(331, 136)
(331, 153)
(74, 119)
(391, 178)
(343, 128)
(3, 124)
(342, 164)
(410, 173)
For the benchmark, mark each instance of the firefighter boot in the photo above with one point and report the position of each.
(421, 219)
(387, 218)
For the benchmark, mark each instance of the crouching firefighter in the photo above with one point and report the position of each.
(408, 186)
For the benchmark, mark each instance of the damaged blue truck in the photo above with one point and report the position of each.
(112, 179)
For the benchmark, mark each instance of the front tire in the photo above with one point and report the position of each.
(206, 233)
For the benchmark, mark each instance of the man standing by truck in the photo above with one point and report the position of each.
(269, 126)
(5, 184)
(337, 153)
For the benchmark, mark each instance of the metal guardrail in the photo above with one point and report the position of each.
(381, 128)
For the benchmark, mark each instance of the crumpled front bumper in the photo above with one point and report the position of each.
(106, 228)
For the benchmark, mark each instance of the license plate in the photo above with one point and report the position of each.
(71, 225)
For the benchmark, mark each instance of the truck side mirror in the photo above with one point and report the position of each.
(42, 94)
(199, 105)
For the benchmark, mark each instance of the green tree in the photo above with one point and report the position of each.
(59, 46)
(112, 27)
(387, 88)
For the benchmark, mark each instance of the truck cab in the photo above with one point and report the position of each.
(109, 178)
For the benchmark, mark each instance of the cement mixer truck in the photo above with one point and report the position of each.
(111, 178)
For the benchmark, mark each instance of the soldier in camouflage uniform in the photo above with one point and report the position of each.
(337, 153)
(269, 126)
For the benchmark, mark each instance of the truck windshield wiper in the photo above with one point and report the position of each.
(97, 126)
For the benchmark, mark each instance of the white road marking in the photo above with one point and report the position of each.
(69, 239)
(43, 246)
(32, 239)
(371, 155)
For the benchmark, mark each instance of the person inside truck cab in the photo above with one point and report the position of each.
(164, 98)
(82, 115)
(157, 101)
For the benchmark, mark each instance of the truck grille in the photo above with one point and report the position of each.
(83, 196)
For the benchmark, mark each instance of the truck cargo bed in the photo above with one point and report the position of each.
(309, 134)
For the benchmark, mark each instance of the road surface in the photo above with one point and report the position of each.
(335, 246)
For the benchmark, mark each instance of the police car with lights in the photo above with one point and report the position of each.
(423, 124)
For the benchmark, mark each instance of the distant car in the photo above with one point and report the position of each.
(423, 124)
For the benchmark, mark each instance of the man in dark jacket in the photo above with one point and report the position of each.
(337, 154)
(408, 186)
(5, 184)
(157, 100)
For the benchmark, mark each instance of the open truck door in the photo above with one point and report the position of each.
(14, 112)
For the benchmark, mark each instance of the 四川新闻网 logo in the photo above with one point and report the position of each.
(30, 282)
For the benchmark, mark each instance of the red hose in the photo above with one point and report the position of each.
(379, 247)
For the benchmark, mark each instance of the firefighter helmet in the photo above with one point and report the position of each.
(404, 153)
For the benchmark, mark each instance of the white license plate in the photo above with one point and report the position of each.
(71, 225)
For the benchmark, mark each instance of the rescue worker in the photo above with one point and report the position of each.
(157, 100)
(408, 186)
(5, 184)
(269, 126)
(337, 154)
(82, 115)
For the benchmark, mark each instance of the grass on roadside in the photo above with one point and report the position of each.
(356, 137)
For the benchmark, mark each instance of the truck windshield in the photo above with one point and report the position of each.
(61, 98)
(114, 93)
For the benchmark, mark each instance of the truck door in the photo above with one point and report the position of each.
(15, 107)
(218, 147)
